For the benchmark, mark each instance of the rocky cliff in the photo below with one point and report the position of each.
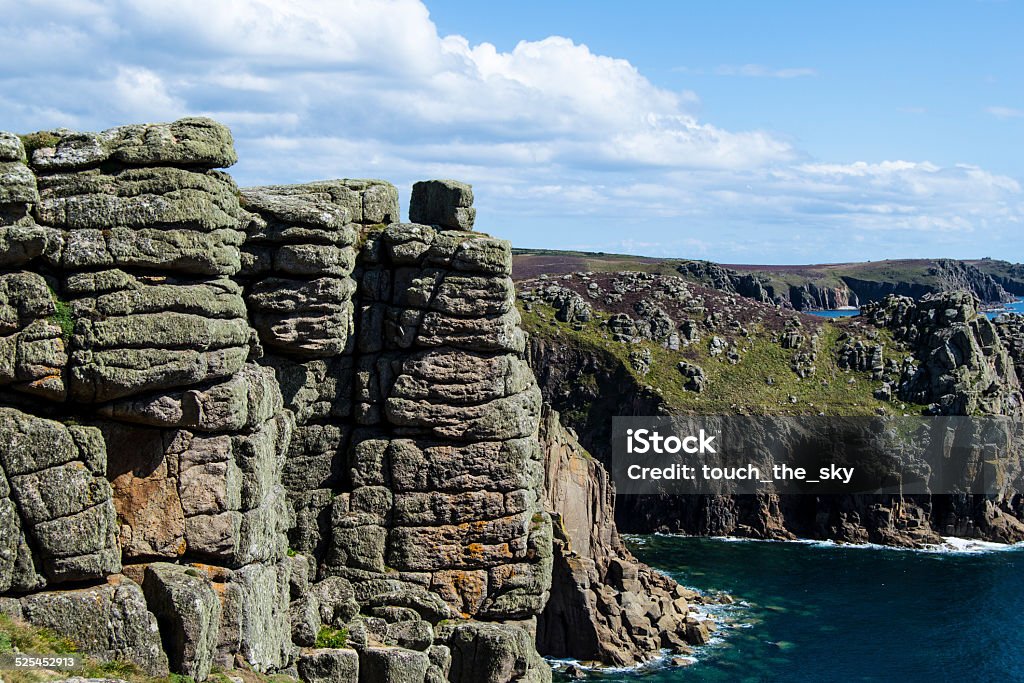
(830, 287)
(605, 606)
(652, 344)
(276, 429)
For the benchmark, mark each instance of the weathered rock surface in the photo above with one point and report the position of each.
(58, 504)
(109, 621)
(605, 605)
(445, 203)
(293, 419)
(962, 367)
(188, 611)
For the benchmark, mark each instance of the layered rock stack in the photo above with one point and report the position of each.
(272, 428)
(415, 468)
(275, 429)
(140, 436)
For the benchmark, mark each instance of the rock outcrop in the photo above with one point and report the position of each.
(606, 606)
(937, 356)
(811, 288)
(1011, 332)
(943, 275)
(272, 428)
(275, 428)
(960, 365)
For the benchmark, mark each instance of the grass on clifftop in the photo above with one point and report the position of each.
(17, 636)
(743, 388)
(34, 141)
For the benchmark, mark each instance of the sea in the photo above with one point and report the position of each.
(993, 313)
(818, 611)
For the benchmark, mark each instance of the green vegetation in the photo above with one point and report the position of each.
(761, 383)
(332, 637)
(16, 635)
(62, 316)
(34, 141)
(31, 639)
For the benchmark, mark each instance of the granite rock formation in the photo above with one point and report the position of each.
(272, 428)
(605, 606)
(935, 356)
(830, 287)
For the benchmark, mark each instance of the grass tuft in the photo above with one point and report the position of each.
(332, 637)
(34, 141)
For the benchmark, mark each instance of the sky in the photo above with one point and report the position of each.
(741, 132)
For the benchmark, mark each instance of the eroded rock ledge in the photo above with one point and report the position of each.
(276, 428)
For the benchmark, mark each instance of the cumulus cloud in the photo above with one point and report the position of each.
(564, 146)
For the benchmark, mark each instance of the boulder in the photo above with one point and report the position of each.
(329, 666)
(393, 665)
(190, 142)
(187, 610)
(445, 203)
(108, 622)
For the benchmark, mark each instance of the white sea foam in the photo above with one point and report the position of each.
(659, 663)
(950, 545)
(970, 546)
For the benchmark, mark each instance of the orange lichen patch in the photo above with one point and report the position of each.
(148, 507)
(214, 572)
(463, 590)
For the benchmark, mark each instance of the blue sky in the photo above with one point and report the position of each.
(746, 132)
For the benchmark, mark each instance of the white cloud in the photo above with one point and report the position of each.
(141, 93)
(563, 145)
(762, 71)
(1005, 112)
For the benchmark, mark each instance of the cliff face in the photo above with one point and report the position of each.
(605, 606)
(273, 427)
(811, 288)
(939, 356)
(944, 275)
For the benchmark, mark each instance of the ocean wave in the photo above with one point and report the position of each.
(951, 545)
(661, 662)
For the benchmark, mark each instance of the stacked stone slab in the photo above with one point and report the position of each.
(415, 465)
(117, 306)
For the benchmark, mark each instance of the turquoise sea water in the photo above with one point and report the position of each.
(836, 314)
(1014, 307)
(815, 612)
